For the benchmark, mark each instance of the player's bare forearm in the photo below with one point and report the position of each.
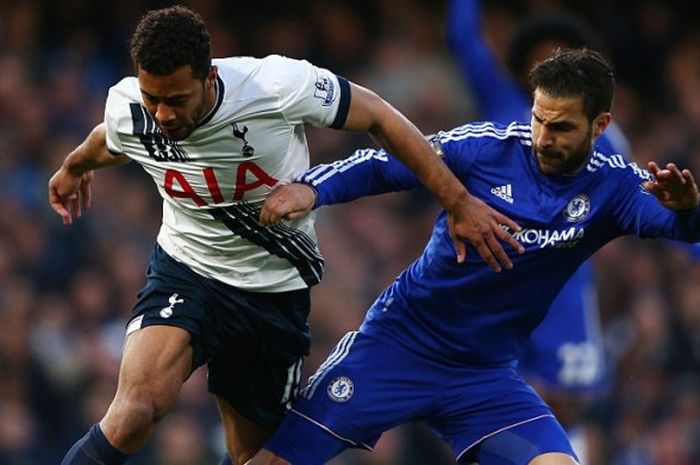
(69, 187)
(92, 154)
(404, 141)
(469, 219)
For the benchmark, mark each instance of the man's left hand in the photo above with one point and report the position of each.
(675, 189)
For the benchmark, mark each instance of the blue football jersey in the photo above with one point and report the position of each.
(569, 356)
(466, 313)
(565, 357)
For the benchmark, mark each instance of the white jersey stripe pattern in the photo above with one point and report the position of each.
(291, 387)
(323, 172)
(519, 130)
(287, 243)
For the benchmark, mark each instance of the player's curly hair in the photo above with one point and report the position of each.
(169, 38)
(580, 72)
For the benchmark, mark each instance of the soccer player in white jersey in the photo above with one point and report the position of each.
(216, 137)
(441, 343)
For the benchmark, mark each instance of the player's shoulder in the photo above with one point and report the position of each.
(267, 67)
(487, 130)
(126, 89)
(484, 135)
(121, 99)
(262, 75)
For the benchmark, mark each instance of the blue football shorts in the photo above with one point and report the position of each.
(565, 352)
(251, 342)
(370, 384)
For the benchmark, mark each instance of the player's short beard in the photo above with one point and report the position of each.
(566, 166)
(201, 109)
(198, 113)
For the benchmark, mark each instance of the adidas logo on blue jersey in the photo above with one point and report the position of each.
(503, 192)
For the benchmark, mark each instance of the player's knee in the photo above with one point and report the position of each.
(145, 402)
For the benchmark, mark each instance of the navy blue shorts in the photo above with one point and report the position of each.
(369, 385)
(252, 342)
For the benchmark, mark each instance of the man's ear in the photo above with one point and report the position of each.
(211, 77)
(600, 123)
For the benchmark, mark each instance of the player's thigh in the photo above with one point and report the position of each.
(553, 458)
(367, 385)
(155, 363)
(541, 441)
(257, 365)
(301, 440)
(244, 437)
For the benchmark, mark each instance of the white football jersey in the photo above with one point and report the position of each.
(214, 182)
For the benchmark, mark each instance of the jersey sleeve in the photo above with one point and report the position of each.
(115, 118)
(309, 94)
(458, 149)
(639, 212)
(371, 171)
(366, 172)
(498, 95)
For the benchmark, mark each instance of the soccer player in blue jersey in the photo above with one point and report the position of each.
(441, 343)
(564, 356)
(217, 136)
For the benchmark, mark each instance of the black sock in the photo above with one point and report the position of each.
(94, 449)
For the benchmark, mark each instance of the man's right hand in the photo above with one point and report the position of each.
(473, 221)
(69, 194)
(287, 202)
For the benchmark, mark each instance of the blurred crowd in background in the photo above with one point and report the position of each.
(66, 292)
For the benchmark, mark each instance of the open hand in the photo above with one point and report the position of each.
(69, 194)
(675, 189)
(475, 222)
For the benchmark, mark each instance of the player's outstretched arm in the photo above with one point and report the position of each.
(470, 219)
(674, 188)
(69, 187)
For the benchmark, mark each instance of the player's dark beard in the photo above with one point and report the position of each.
(201, 109)
(197, 114)
(557, 163)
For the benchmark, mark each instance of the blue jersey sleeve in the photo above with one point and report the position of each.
(498, 95)
(371, 171)
(365, 172)
(639, 212)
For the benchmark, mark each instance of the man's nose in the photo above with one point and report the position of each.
(544, 138)
(164, 113)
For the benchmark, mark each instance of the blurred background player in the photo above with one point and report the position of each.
(565, 357)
